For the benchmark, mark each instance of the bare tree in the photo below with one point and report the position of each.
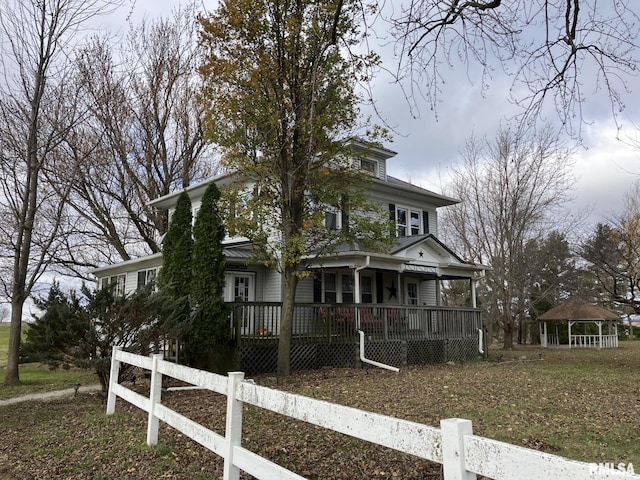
(36, 111)
(144, 132)
(613, 252)
(512, 189)
(562, 50)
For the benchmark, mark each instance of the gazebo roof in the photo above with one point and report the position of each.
(578, 309)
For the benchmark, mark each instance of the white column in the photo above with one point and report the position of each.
(599, 334)
(570, 323)
(473, 293)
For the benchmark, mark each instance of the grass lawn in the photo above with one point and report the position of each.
(4, 343)
(37, 378)
(579, 404)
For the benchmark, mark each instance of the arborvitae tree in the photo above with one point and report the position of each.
(175, 277)
(209, 329)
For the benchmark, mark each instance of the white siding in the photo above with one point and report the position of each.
(433, 221)
(271, 286)
(304, 292)
(427, 293)
(382, 173)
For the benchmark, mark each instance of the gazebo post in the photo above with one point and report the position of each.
(570, 323)
(599, 334)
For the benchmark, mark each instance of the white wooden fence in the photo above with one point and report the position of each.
(462, 454)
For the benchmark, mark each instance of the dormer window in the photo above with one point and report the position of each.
(370, 166)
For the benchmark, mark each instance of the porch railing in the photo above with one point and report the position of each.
(313, 322)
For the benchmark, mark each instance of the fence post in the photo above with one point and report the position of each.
(155, 397)
(233, 428)
(453, 464)
(113, 380)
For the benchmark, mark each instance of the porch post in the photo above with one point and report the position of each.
(473, 292)
(356, 294)
(438, 292)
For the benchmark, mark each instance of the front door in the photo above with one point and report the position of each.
(241, 288)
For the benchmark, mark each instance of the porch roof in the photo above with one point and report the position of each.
(419, 254)
(235, 251)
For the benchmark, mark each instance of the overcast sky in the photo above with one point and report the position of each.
(605, 167)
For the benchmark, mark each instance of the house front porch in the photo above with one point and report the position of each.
(326, 335)
(254, 322)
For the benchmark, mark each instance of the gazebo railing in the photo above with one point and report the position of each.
(593, 341)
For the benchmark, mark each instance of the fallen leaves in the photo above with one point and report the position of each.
(579, 404)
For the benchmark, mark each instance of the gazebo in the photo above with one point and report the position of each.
(579, 313)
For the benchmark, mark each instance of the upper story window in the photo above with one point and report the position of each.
(370, 166)
(147, 277)
(118, 280)
(408, 221)
(331, 220)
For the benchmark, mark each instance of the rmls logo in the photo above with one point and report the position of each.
(607, 467)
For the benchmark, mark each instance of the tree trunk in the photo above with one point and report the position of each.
(286, 322)
(12, 376)
(507, 328)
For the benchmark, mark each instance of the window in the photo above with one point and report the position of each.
(241, 288)
(118, 280)
(331, 220)
(330, 288)
(366, 289)
(415, 223)
(407, 222)
(401, 222)
(370, 166)
(347, 289)
(147, 277)
(412, 293)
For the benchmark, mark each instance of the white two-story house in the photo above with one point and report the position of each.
(384, 292)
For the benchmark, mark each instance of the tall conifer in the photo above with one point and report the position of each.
(209, 330)
(176, 274)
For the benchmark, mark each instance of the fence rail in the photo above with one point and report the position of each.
(312, 322)
(453, 445)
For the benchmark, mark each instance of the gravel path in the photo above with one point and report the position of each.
(70, 392)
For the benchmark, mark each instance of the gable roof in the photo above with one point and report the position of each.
(402, 243)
